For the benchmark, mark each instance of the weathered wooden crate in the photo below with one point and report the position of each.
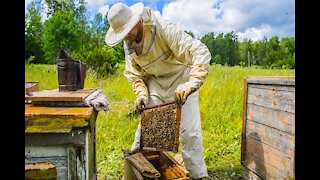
(167, 166)
(268, 132)
(64, 137)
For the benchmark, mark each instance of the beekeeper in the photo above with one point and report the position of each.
(164, 64)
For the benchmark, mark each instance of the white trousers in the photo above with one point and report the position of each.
(190, 135)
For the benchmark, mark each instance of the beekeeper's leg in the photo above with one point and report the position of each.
(191, 137)
(153, 100)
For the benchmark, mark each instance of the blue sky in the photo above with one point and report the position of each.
(249, 19)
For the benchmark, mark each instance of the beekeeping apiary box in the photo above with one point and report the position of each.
(166, 166)
(63, 136)
(268, 131)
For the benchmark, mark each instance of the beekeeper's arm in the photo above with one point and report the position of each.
(133, 73)
(189, 51)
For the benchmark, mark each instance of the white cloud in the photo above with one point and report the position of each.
(262, 18)
(99, 3)
(103, 10)
(255, 33)
(26, 2)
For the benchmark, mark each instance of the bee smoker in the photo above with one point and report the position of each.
(71, 72)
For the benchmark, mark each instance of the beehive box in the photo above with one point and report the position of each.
(268, 132)
(62, 136)
(167, 166)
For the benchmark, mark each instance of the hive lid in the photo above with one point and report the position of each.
(54, 95)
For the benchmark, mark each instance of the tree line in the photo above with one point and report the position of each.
(68, 27)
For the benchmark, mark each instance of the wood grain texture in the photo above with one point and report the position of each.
(55, 95)
(41, 119)
(71, 161)
(281, 120)
(55, 155)
(275, 138)
(275, 99)
(268, 129)
(75, 138)
(59, 112)
(273, 80)
(265, 160)
(41, 170)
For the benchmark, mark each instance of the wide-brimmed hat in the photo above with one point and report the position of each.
(122, 19)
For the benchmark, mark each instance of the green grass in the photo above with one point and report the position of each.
(220, 99)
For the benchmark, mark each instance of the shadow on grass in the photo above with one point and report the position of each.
(235, 173)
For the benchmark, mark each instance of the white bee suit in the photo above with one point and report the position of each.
(170, 57)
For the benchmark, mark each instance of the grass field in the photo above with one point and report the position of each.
(220, 98)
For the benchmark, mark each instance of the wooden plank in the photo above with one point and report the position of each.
(280, 80)
(274, 87)
(282, 100)
(60, 163)
(172, 162)
(90, 155)
(75, 138)
(41, 170)
(59, 112)
(54, 125)
(35, 151)
(81, 163)
(129, 173)
(55, 95)
(41, 119)
(137, 173)
(249, 175)
(284, 121)
(60, 103)
(265, 160)
(280, 140)
(72, 156)
(244, 119)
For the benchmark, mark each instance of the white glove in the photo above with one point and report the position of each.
(98, 101)
(183, 91)
(141, 102)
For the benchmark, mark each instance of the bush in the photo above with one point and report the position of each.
(103, 60)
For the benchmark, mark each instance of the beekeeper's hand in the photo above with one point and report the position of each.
(141, 102)
(183, 91)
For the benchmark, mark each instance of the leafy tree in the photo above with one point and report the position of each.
(260, 51)
(61, 32)
(33, 33)
(98, 29)
(209, 41)
(103, 60)
(60, 5)
(274, 44)
(217, 59)
(288, 44)
(231, 48)
(246, 52)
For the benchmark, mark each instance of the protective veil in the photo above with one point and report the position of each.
(170, 58)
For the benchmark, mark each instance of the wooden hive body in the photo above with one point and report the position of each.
(268, 132)
(64, 136)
